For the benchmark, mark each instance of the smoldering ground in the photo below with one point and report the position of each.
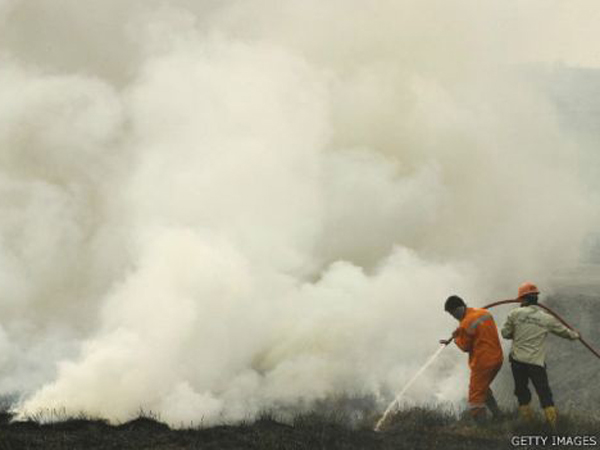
(209, 209)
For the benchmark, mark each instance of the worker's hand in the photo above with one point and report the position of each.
(447, 341)
(577, 336)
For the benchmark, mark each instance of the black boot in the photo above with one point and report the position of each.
(492, 405)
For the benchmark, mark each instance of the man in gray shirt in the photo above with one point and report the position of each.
(528, 326)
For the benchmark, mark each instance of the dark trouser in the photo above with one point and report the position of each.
(522, 373)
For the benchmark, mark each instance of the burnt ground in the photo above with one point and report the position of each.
(415, 428)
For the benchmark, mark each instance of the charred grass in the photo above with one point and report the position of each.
(412, 428)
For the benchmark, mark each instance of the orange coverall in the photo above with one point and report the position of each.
(477, 334)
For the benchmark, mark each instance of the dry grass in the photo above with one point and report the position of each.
(413, 428)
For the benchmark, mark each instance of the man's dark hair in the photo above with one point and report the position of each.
(453, 302)
(529, 299)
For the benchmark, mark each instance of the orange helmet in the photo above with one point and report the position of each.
(527, 288)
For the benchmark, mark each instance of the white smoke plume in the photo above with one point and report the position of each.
(213, 208)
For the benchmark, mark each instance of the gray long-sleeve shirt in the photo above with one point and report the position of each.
(528, 327)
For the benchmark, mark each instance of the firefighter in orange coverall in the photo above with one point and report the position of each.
(477, 335)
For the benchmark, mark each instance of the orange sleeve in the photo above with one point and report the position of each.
(463, 340)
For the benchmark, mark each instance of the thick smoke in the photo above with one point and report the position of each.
(211, 209)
